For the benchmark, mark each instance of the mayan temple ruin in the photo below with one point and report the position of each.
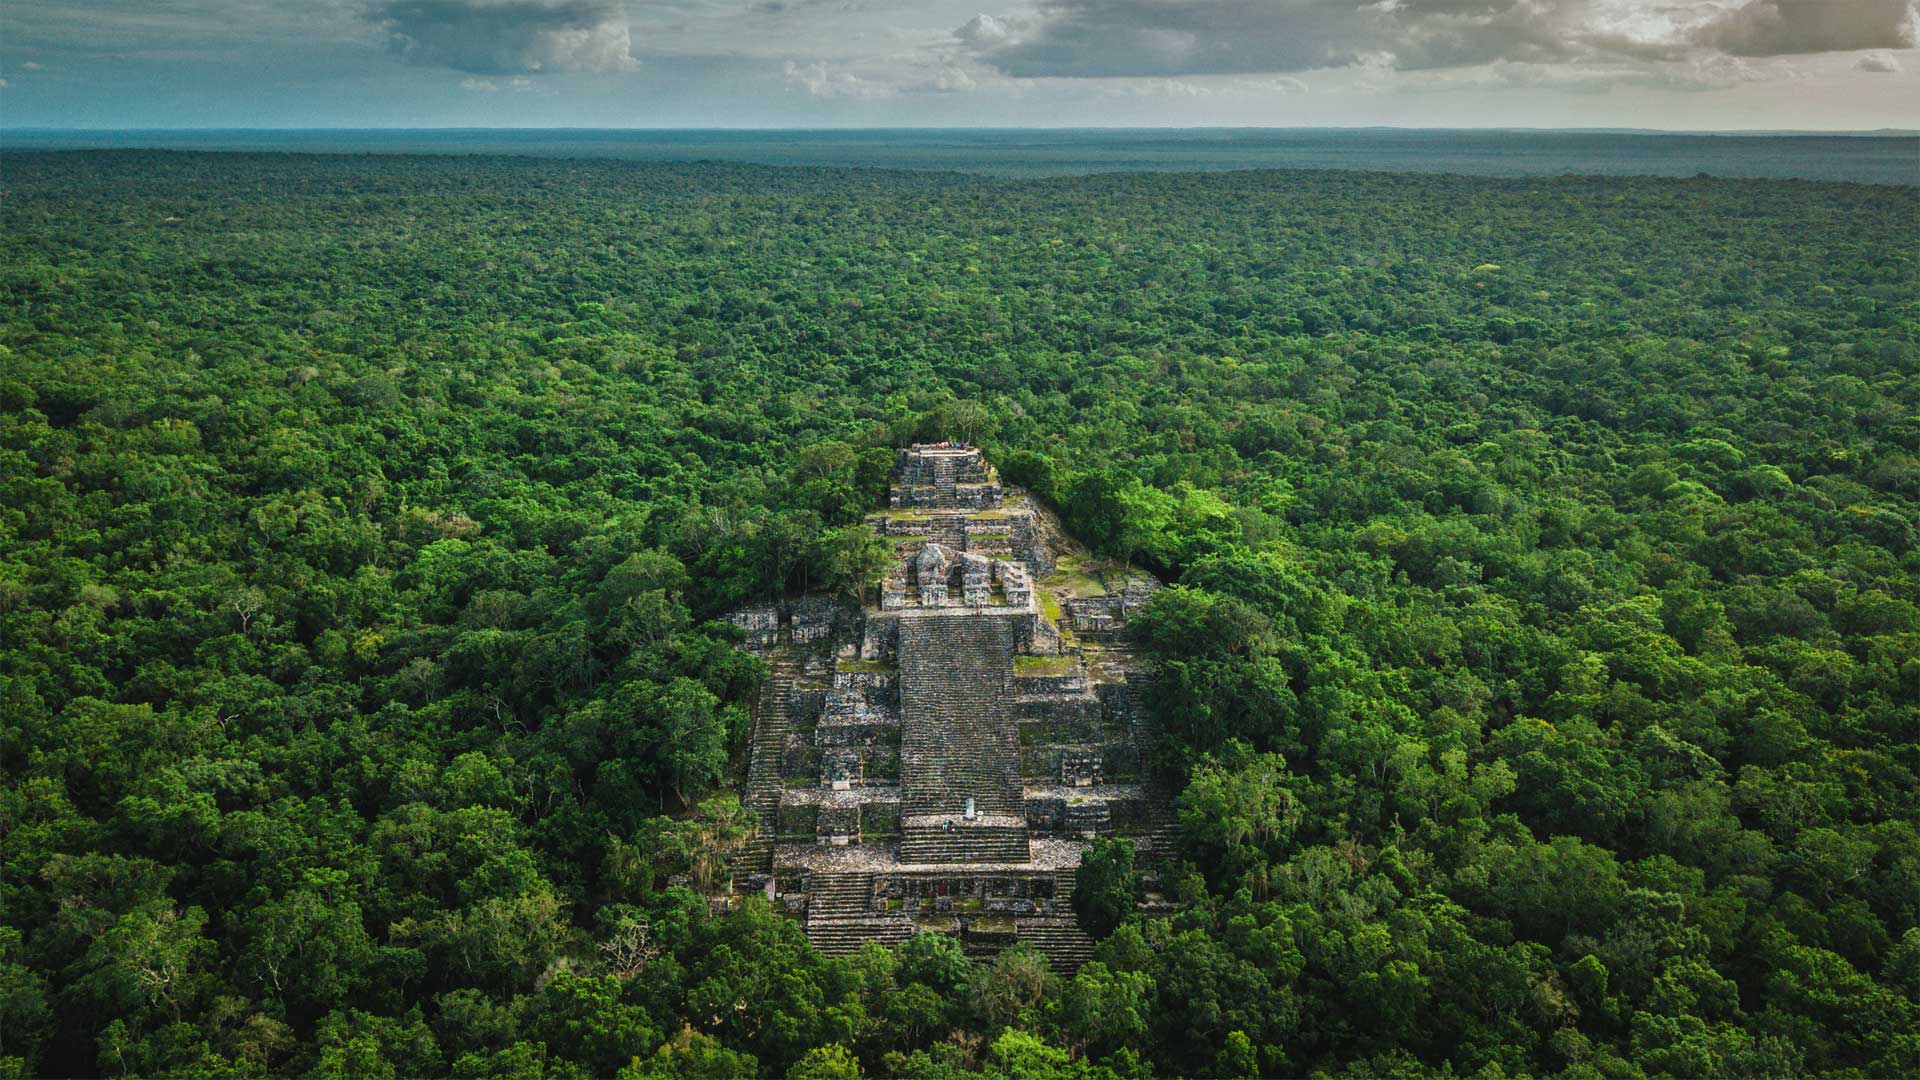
(937, 760)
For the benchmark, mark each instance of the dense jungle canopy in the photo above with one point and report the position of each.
(1542, 671)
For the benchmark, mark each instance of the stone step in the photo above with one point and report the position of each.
(834, 896)
(1159, 835)
(965, 844)
(768, 745)
(841, 937)
(959, 740)
(1066, 946)
(945, 482)
(948, 531)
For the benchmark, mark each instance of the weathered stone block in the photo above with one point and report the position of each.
(880, 819)
(1046, 814)
(883, 764)
(838, 824)
(1081, 768)
(840, 768)
(1087, 819)
(762, 625)
(880, 638)
(797, 819)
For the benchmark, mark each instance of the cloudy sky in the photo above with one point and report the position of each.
(1680, 64)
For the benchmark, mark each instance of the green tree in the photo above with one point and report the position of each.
(829, 1062)
(1013, 987)
(1103, 1011)
(693, 733)
(587, 1021)
(937, 961)
(311, 946)
(1106, 886)
(692, 1056)
(25, 1017)
(1237, 811)
(1021, 1055)
(853, 559)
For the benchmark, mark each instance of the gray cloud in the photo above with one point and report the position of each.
(1781, 27)
(1093, 38)
(1167, 38)
(509, 37)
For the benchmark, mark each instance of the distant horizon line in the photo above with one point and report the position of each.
(1588, 130)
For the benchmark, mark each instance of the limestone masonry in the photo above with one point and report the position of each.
(939, 760)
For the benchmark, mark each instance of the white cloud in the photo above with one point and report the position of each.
(473, 85)
(1775, 63)
(1278, 84)
(1171, 38)
(1163, 88)
(1711, 71)
(985, 30)
(824, 81)
(952, 80)
(880, 78)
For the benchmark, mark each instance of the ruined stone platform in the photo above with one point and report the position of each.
(939, 760)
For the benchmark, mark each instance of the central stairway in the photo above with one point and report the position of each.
(959, 740)
(946, 483)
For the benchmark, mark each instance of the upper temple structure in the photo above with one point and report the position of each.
(938, 761)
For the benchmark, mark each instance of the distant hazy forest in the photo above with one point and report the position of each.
(1542, 675)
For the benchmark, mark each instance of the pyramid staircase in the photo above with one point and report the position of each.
(770, 723)
(959, 741)
(945, 482)
(1063, 883)
(1159, 834)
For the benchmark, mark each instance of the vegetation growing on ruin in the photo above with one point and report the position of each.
(1541, 672)
(1040, 667)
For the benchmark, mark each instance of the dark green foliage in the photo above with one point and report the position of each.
(1106, 887)
(1541, 677)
